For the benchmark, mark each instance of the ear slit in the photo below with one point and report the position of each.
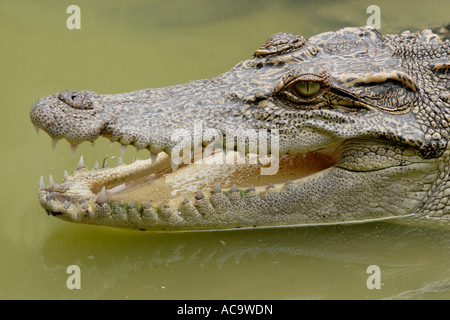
(380, 77)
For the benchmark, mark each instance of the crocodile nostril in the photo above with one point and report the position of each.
(76, 99)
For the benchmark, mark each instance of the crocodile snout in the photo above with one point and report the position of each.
(85, 122)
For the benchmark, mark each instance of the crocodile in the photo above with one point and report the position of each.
(342, 127)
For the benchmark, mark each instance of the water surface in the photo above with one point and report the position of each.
(140, 44)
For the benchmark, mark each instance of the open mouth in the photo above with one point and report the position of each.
(156, 181)
(154, 185)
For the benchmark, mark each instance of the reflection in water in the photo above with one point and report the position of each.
(305, 262)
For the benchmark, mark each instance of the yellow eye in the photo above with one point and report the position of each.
(306, 88)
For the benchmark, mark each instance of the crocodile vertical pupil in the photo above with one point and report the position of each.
(306, 88)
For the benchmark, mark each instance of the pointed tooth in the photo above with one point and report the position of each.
(270, 185)
(234, 188)
(104, 164)
(66, 205)
(85, 205)
(111, 143)
(101, 198)
(50, 180)
(74, 149)
(131, 205)
(251, 188)
(288, 182)
(54, 142)
(120, 161)
(37, 129)
(147, 205)
(96, 165)
(80, 163)
(41, 182)
(199, 195)
(153, 156)
(66, 174)
(216, 188)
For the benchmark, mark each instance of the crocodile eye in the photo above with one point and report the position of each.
(306, 88)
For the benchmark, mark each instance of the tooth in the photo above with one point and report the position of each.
(118, 188)
(270, 185)
(123, 147)
(147, 205)
(185, 201)
(104, 164)
(66, 174)
(54, 142)
(111, 143)
(37, 129)
(199, 195)
(288, 182)
(216, 188)
(251, 188)
(131, 205)
(96, 165)
(153, 156)
(234, 188)
(303, 155)
(120, 161)
(41, 182)
(50, 180)
(66, 205)
(74, 149)
(85, 206)
(80, 163)
(101, 199)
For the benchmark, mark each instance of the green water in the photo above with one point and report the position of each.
(158, 43)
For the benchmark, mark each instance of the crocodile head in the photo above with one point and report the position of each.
(343, 126)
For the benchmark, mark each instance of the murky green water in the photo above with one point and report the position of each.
(158, 43)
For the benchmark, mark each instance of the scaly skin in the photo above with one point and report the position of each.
(363, 135)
